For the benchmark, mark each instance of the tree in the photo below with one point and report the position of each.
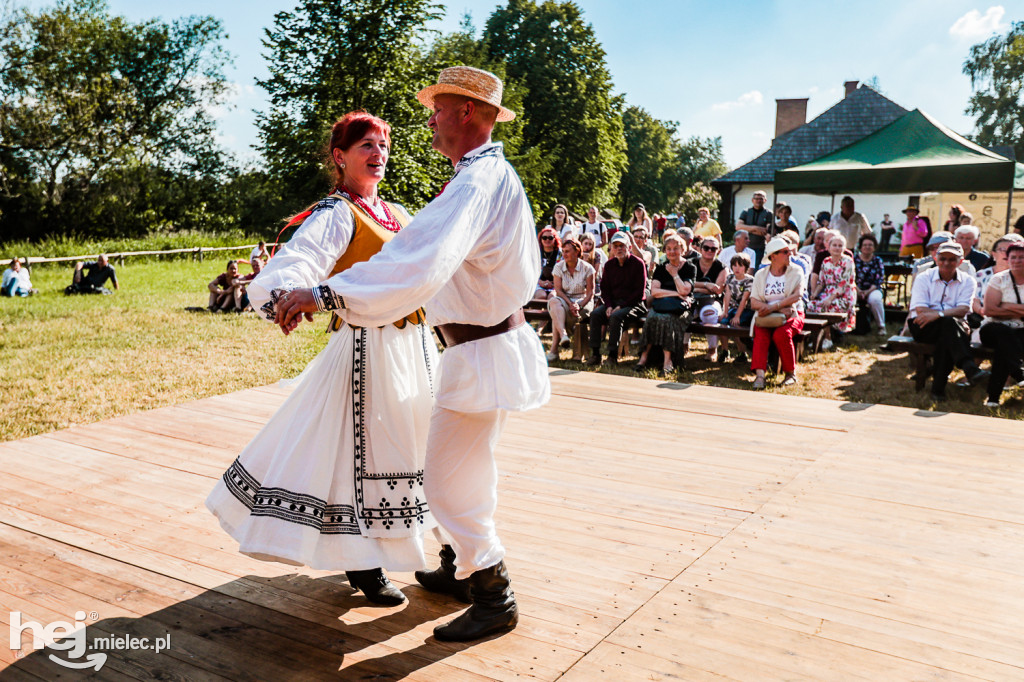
(996, 69)
(97, 112)
(700, 159)
(694, 197)
(652, 173)
(329, 57)
(571, 117)
(534, 168)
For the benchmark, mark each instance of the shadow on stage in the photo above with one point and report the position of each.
(253, 628)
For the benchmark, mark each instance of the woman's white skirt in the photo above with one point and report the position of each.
(334, 480)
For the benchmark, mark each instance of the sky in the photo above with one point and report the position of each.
(714, 67)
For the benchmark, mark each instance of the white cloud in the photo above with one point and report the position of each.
(974, 26)
(752, 98)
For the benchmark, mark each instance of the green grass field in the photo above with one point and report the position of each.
(80, 359)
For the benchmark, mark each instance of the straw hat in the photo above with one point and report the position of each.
(469, 82)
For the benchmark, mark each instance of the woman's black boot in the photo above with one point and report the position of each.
(376, 586)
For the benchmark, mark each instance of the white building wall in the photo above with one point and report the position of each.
(873, 206)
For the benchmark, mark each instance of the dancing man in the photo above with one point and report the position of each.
(470, 257)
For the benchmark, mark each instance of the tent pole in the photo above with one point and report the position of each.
(775, 200)
(1009, 207)
(833, 211)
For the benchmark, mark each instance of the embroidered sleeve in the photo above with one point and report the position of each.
(327, 299)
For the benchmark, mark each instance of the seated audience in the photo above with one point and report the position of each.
(691, 253)
(967, 237)
(550, 253)
(622, 291)
(777, 299)
(815, 243)
(1003, 327)
(596, 257)
(671, 303)
(835, 289)
(736, 305)
(16, 281)
(643, 248)
(870, 273)
(932, 249)
(940, 299)
(707, 290)
(983, 277)
(574, 293)
(90, 278)
(226, 290)
(741, 240)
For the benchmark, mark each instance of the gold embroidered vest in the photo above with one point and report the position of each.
(369, 237)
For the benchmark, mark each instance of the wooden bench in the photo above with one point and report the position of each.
(799, 339)
(921, 355)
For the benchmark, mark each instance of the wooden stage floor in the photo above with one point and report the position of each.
(655, 531)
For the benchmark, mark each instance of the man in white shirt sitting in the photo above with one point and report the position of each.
(940, 300)
(741, 239)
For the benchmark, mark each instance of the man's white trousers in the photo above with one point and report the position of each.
(460, 481)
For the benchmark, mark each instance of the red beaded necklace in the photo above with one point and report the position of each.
(390, 223)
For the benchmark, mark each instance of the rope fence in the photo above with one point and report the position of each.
(198, 252)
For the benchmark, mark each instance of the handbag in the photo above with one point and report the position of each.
(770, 321)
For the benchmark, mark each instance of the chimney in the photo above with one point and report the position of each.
(789, 115)
(850, 87)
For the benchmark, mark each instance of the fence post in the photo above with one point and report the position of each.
(200, 251)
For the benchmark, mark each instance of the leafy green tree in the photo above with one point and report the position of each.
(652, 173)
(572, 119)
(996, 69)
(700, 159)
(329, 57)
(695, 196)
(533, 166)
(95, 109)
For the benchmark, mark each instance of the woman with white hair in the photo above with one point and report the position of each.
(835, 289)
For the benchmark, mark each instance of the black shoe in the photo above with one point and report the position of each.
(723, 354)
(740, 359)
(442, 579)
(594, 360)
(494, 608)
(938, 396)
(376, 586)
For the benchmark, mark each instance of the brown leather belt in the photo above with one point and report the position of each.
(454, 334)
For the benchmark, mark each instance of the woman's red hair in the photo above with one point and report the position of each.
(345, 132)
(348, 130)
(545, 230)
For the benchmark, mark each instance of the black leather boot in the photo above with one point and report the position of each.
(442, 579)
(494, 608)
(376, 586)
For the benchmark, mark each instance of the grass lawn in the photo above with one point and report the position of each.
(79, 359)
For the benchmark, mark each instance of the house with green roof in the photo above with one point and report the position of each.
(860, 113)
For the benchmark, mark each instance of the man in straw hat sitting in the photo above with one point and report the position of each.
(470, 258)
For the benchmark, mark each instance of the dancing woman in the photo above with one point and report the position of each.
(334, 480)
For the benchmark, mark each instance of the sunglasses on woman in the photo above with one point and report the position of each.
(547, 238)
